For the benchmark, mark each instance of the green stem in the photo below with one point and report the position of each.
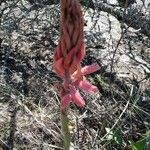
(65, 129)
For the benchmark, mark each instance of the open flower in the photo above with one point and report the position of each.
(70, 91)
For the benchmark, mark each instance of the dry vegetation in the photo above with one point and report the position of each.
(29, 104)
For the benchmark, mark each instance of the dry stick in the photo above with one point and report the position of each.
(137, 107)
(125, 8)
(123, 21)
(118, 43)
(3, 144)
(53, 146)
(94, 142)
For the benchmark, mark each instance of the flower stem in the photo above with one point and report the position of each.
(65, 129)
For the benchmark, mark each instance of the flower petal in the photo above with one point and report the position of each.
(65, 101)
(90, 69)
(58, 67)
(77, 98)
(86, 86)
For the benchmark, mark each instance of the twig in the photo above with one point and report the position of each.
(3, 144)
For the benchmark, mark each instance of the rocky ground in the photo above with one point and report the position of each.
(29, 104)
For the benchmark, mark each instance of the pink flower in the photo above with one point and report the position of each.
(69, 54)
(70, 91)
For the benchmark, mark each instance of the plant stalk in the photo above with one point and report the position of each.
(65, 129)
